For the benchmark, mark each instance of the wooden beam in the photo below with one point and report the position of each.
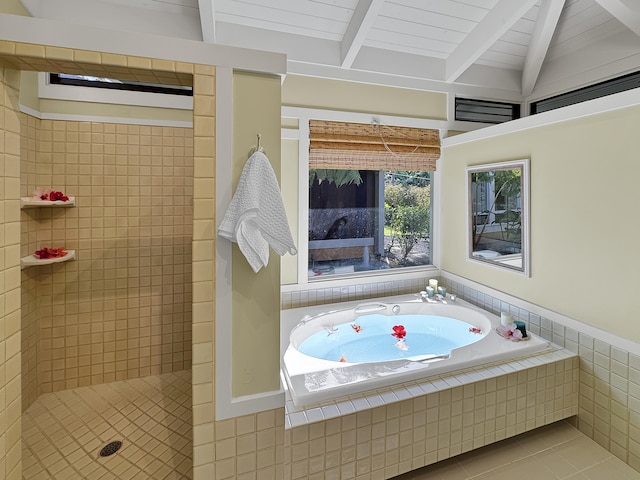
(627, 14)
(207, 20)
(495, 24)
(361, 22)
(546, 23)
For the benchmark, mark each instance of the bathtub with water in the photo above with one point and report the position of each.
(336, 350)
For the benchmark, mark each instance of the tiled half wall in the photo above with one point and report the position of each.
(609, 375)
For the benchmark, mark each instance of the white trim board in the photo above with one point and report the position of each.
(60, 34)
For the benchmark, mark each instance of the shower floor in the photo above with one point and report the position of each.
(63, 432)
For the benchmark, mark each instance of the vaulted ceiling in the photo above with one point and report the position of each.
(498, 49)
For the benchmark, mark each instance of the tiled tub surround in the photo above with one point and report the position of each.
(609, 389)
(386, 432)
(609, 381)
(396, 430)
(312, 380)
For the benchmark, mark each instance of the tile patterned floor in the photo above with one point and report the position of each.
(557, 451)
(63, 432)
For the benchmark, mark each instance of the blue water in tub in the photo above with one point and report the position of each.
(374, 342)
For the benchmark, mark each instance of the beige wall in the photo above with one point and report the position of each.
(256, 296)
(346, 96)
(326, 94)
(584, 236)
(10, 363)
(123, 308)
(14, 7)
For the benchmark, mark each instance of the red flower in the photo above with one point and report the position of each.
(399, 332)
(57, 196)
(50, 253)
(356, 327)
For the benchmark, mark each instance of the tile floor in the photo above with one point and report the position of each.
(63, 432)
(556, 451)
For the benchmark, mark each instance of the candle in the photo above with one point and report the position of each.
(430, 291)
(442, 291)
(506, 318)
(433, 283)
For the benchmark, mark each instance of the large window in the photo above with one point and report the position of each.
(363, 218)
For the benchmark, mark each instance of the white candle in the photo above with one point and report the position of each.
(506, 318)
(433, 283)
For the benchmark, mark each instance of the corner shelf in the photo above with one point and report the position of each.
(28, 202)
(32, 260)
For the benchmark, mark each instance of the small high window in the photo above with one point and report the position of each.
(485, 111)
(602, 89)
(115, 84)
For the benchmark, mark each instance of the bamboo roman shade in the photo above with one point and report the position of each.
(359, 146)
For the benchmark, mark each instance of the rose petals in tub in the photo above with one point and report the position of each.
(399, 332)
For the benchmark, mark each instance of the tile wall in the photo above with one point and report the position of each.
(398, 429)
(609, 390)
(28, 285)
(609, 381)
(409, 433)
(123, 308)
(10, 366)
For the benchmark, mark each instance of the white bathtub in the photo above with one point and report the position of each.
(312, 380)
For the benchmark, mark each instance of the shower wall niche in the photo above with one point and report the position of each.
(122, 309)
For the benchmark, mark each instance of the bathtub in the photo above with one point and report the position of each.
(464, 337)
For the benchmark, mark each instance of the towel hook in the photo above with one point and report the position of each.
(257, 147)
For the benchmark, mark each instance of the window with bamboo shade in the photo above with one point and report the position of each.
(369, 196)
(348, 146)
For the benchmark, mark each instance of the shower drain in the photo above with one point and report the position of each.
(110, 448)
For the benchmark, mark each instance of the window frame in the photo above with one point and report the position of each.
(76, 93)
(303, 115)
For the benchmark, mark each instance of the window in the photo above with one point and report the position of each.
(602, 89)
(91, 89)
(472, 110)
(114, 84)
(369, 197)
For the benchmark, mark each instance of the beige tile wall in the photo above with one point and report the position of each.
(123, 308)
(28, 285)
(392, 439)
(10, 366)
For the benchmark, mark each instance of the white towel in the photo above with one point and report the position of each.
(256, 218)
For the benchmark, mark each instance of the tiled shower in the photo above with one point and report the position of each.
(122, 309)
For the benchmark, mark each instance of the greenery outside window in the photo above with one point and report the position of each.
(367, 210)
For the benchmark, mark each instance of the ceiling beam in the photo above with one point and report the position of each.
(32, 6)
(495, 24)
(207, 20)
(361, 22)
(624, 12)
(548, 16)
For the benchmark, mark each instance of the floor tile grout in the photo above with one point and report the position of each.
(64, 431)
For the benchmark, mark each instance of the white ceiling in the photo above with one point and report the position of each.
(498, 49)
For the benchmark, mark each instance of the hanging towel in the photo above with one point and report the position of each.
(256, 218)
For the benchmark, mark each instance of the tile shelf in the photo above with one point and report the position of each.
(32, 260)
(28, 202)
